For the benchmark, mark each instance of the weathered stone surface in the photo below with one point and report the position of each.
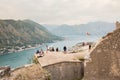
(67, 70)
(105, 64)
(4, 71)
(31, 72)
(117, 25)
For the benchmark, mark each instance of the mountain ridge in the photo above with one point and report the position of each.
(95, 28)
(23, 33)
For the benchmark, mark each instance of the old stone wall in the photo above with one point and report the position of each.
(105, 64)
(117, 25)
(67, 70)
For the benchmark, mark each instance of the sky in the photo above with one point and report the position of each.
(61, 11)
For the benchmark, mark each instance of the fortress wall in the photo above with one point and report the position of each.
(67, 70)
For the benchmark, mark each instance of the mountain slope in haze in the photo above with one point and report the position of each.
(50, 27)
(19, 33)
(61, 29)
(94, 28)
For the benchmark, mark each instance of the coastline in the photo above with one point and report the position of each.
(20, 49)
(77, 56)
(77, 44)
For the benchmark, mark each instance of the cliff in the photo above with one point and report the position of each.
(105, 64)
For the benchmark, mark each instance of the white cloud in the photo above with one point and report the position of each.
(61, 11)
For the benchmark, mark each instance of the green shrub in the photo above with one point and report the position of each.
(35, 60)
(81, 59)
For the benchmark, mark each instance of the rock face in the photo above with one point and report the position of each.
(105, 64)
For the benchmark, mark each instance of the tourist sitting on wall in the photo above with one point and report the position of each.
(41, 54)
(37, 52)
(53, 49)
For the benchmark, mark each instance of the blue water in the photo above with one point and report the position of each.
(21, 58)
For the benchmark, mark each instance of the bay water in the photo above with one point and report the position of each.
(24, 57)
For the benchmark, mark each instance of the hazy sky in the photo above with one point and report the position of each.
(61, 11)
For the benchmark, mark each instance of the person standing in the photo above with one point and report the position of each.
(47, 49)
(89, 47)
(57, 49)
(65, 49)
(83, 44)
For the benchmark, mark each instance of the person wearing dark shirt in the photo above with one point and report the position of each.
(89, 47)
(57, 50)
(65, 48)
(53, 49)
(37, 52)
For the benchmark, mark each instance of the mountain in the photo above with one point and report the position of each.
(105, 63)
(50, 27)
(94, 28)
(61, 29)
(23, 32)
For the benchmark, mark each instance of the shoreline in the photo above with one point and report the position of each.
(77, 45)
(13, 50)
(80, 43)
(9, 52)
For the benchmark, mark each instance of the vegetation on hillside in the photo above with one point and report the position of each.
(26, 33)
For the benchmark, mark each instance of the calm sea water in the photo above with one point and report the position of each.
(21, 58)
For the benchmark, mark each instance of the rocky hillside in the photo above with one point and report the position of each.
(26, 32)
(105, 64)
(30, 72)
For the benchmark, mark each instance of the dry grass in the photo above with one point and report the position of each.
(33, 72)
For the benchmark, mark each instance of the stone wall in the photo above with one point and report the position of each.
(105, 64)
(117, 25)
(67, 70)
